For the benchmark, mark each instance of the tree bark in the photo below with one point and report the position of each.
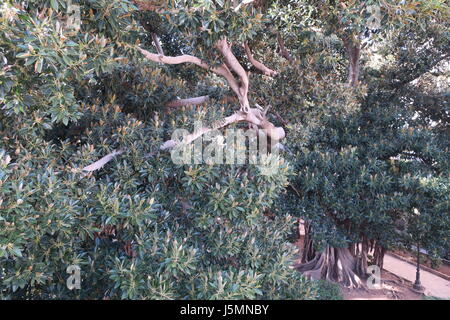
(354, 52)
(283, 51)
(231, 61)
(361, 256)
(253, 116)
(157, 43)
(240, 88)
(189, 101)
(258, 65)
(378, 255)
(308, 252)
(333, 264)
(344, 265)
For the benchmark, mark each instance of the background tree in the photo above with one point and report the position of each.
(359, 137)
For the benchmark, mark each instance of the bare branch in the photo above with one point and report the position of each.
(100, 163)
(239, 87)
(236, 117)
(254, 116)
(189, 101)
(157, 43)
(234, 64)
(258, 65)
(283, 51)
(354, 53)
(174, 60)
(284, 122)
(221, 70)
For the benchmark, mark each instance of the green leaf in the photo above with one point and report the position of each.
(16, 251)
(23, 55)
(30, 61)
(54, 4)
(38, 65)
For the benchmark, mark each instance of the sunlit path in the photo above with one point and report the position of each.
(434, 285)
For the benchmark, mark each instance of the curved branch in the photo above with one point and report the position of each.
(236, 117)
(233, 63)
(189, 101)
(283, 51)
(258, 65)
(100, 163)
(253, 116)
(185, 58)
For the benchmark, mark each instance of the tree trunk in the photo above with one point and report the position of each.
(333, 264)
(354, 51)
(308, 252)
(378, 255)
(343, 265)
(361, 256)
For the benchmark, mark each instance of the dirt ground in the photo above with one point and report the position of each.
(393, 288)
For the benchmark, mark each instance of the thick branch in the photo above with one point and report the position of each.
(100, 163)
(240, 88)
(283, 51)
(185, 58)
(258, 65)
(221, 70)
(234, 64)
(354, 52)
(236, 117)
(157, 43)
(253, 116)
(190, 101)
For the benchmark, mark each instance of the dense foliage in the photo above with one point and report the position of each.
(360, 88)
(142, 227)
